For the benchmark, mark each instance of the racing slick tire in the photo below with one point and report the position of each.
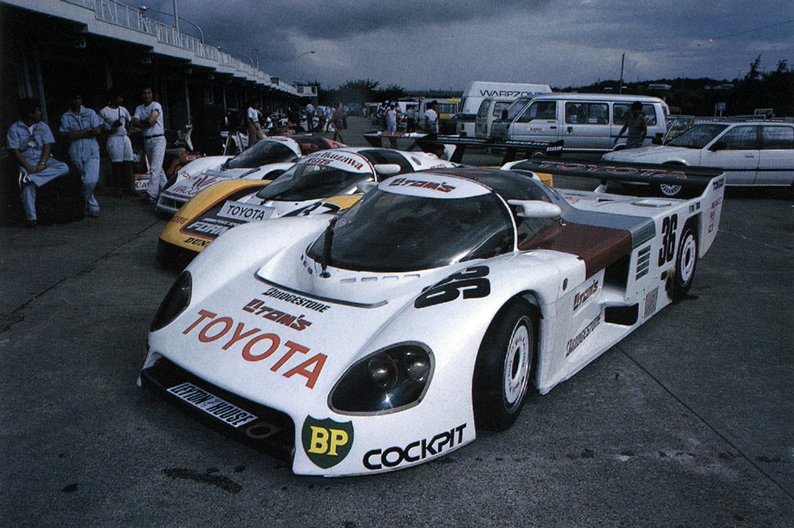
(504, 367)
(685, 263)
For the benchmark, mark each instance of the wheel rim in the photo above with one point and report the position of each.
(688, 258)
(517, 362)
(670, 190)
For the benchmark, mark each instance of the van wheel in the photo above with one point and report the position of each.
(504, 367)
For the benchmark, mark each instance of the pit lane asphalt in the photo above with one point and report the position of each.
(688, 422)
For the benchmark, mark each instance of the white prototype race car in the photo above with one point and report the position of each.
(390, 335)
(323, 182)
(264, 161)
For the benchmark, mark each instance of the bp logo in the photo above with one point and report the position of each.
(326, 442)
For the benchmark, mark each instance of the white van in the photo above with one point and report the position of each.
(585, 122)
(501, 94)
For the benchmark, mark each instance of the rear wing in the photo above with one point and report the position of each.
(456, 145)
(695, 178)
(706, 186)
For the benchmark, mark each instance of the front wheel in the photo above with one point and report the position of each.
(504, 367)
(685, 263)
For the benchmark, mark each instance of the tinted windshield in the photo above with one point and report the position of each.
(698, 136)
(263, 153)
(307, 181)
(388, 232)
(515, 108)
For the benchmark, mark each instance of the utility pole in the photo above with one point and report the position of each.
(622, 60)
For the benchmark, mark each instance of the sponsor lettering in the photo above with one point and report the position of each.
(208, 228)
(296, 299)
(257, 306)
(574, 343)
(406, 182)
(197, 241)
(178, 219)
(645, 172)
(718, 183)
(326, 442)
(327, 155)
(415, 451)
(580, 298)
(245, 212)
(504, 93)
(212, 405)
(257, 345)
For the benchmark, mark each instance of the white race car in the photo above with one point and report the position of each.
(390, 335)
(323, 182)
(264, 161)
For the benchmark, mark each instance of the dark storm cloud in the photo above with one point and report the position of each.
(447, 43)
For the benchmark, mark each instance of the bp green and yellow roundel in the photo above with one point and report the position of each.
(326, 442)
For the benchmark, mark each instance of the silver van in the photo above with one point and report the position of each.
(490, 110)
(584, 122)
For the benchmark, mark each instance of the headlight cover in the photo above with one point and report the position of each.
(176, 300)
(389, 380)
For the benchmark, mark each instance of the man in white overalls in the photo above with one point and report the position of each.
(149, 118)
(30, 141)
(82, 125)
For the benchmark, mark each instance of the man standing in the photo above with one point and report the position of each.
(29, 141)
(149, 118)
(81, 125)
(116, 119)
(253, 124)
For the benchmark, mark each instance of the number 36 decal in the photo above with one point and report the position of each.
(667, 252)
(471, 282)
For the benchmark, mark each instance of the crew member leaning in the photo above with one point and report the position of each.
(149, 118)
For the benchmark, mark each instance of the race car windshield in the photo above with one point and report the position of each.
(698, 136)
(263, 153)
(387, 232)
(307, 181)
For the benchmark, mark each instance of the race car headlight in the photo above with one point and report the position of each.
(176, 300)
(389, 380)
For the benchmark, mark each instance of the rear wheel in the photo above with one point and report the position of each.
(504, 367)
(685, 263)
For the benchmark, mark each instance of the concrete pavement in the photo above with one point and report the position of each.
(689, 422)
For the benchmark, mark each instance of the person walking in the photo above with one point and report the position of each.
(30, 141)
(637, 126)
(82, 125)
(149, 118)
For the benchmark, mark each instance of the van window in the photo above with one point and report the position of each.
(539, 110)
(498, 107)
(622, 111)
(587, 113)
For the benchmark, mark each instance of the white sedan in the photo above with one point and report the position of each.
(750, 152)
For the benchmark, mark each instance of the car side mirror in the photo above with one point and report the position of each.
(656, 140)
(719, 145)
(504, 114)
(387, 169)
(535, 209)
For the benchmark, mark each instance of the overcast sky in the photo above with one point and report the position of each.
(445, 44)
